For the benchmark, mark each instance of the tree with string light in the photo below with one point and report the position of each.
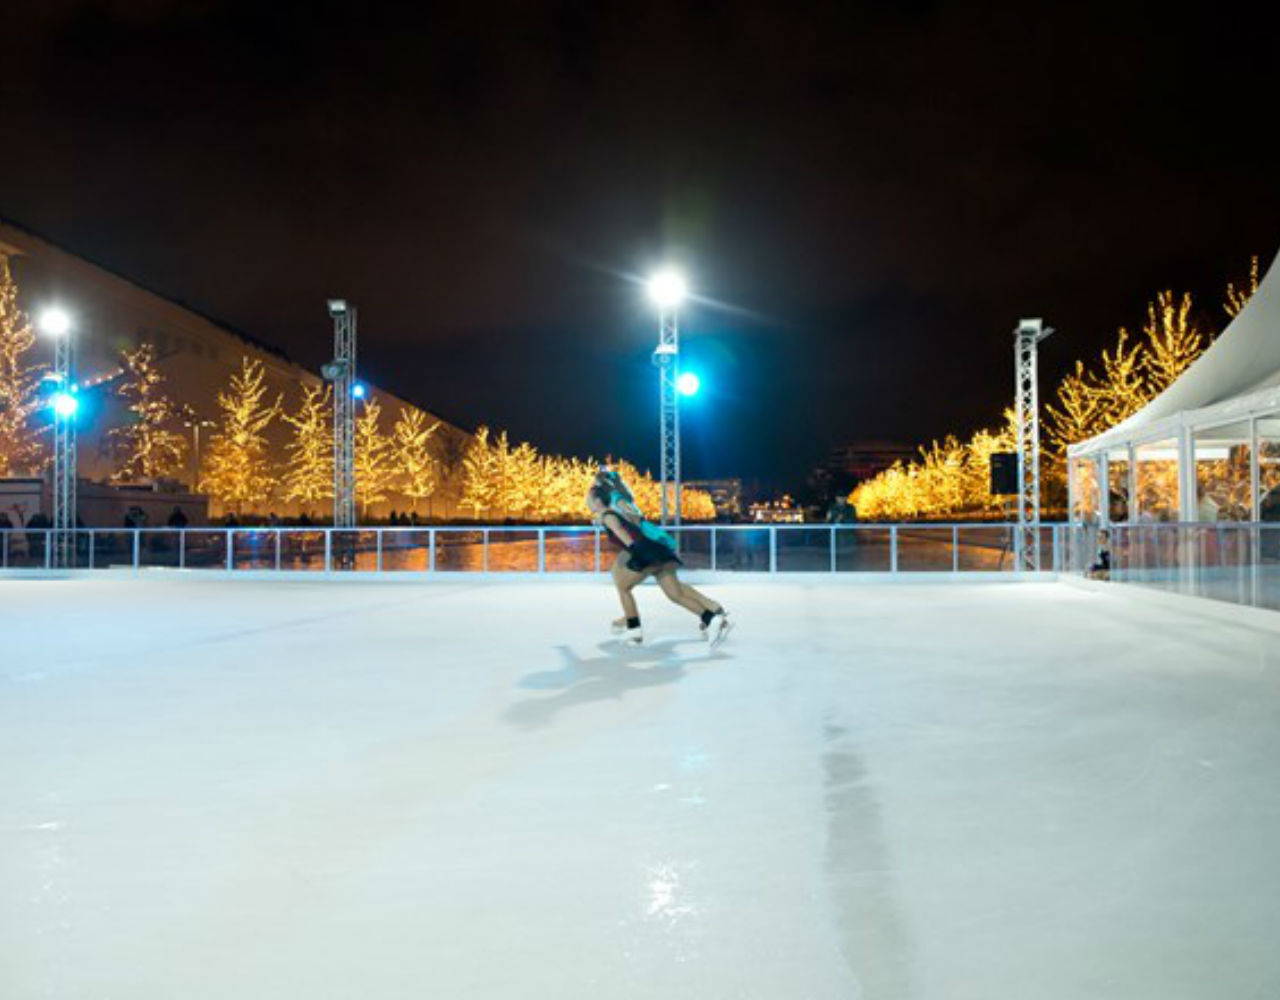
(375, 466)
(308, 473)
(146, 448)
(416, 468)
(237, 473)
(20, 448)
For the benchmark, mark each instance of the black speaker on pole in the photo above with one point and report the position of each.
(1004, 473)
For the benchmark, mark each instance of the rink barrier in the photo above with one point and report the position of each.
(747, 548)
(1237, 562)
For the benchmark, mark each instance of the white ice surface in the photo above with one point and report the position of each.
(232, 790)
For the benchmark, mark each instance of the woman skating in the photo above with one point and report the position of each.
(646, 551)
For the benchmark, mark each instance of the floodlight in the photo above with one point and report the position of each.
(358, 390)
(65, 403)
(667, 288)
(688, 384)
(54, 321)
(337, 307)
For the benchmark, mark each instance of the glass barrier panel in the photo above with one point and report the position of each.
(862, 550)
(112, 549)
(572, 550)
(924, 549)
(406, 550)
(158, 547)
(743, 550)
(1222, 562)
(985, 548)
(302, 550)
(27, 547)
(205, 549)
(253, 548)
(1268, 567)
(460, 550)
(804, 550)
(695, 547)
(513, 551)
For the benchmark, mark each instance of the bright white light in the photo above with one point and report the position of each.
(688, 384)
(358, 390)
(54, 321)
(65, 404)
(667, 288)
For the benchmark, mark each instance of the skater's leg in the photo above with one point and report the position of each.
(675, 591)
(705, 602)
(625, 580)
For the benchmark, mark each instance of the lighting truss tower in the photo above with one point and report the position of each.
(1027, 542)
(667, 358)
(341, 371)
(64, 452)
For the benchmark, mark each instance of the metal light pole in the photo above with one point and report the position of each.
(341, 371)
(1026, 341)
(57, 324)
(193, 421)
(667, 290)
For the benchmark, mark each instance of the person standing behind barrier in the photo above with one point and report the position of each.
(646, 551)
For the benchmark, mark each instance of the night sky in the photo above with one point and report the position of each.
(866, 196)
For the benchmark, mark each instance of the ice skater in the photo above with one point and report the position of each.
(646, 551)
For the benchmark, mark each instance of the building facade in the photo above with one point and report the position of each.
(196, 355)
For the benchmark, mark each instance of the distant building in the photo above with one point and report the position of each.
(195, 353)
(782, 511)
(726, 494)
(850, 464)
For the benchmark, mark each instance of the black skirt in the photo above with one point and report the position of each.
(646, 554)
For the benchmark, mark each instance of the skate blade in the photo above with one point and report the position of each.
(723, 634)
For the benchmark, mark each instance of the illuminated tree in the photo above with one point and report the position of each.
(1173, 343)
(20, 449)
(145, 448)
(1079, 411)
(308, 474)
(236, 472)
(697, 505)
(415, 465)
(479, 474)
(375, 458)
(1237, 296)
(520, 482)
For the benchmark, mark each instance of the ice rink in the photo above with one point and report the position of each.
(268, 790)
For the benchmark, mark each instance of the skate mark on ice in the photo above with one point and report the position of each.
(859, 872)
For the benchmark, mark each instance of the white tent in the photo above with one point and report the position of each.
(1208, 447)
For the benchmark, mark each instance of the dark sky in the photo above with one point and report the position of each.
(868, 196)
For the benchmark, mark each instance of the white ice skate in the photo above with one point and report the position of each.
(633, 636)
(618, 626)
(717, 630)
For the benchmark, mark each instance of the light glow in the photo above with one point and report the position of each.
(358, 390)
(667, 288)
(55, 322)
(65, 403)
(688, 384)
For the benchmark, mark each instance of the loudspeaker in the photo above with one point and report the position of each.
(1004, 473)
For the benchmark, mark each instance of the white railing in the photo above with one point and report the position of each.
(811, 548)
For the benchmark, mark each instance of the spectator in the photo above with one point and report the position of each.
(1101, 569)
(177, 519)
